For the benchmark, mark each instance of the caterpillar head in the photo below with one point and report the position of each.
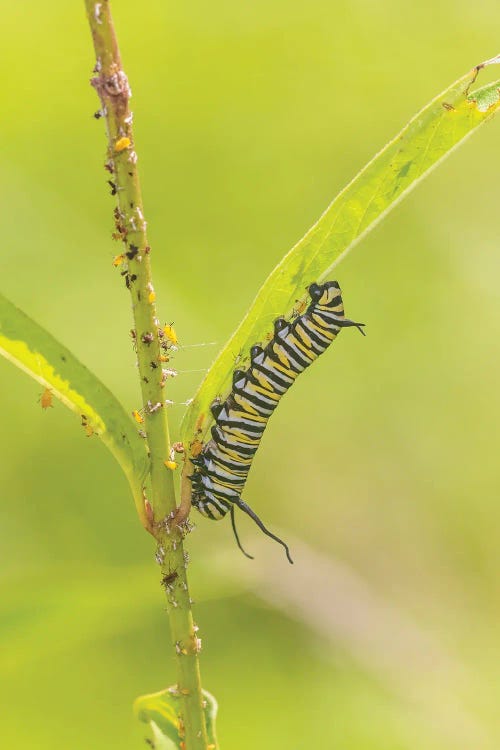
(325, 293)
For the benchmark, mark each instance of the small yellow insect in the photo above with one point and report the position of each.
(163, 358)
(172, 465)
(46, 399)
(122, 143)
(151, 297)
(118, 260)
(170, 333)
(138, 416)
(300, 306)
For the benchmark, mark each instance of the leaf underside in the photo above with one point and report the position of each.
(425, 141)
(31, 348)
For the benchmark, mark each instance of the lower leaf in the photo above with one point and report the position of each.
(162, 711)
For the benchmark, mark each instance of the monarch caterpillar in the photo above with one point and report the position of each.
(222, 467)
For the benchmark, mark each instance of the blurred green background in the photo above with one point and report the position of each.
(381, 465)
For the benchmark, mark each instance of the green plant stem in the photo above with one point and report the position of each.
(112, 87)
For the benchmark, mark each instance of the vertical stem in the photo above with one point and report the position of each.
(113, 89)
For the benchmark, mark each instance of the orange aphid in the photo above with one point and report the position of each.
(151, 297)
(196, 448)
(122, 143)
(172, 465)
(118, 260)
(46, 399)
(138, 416)
(300, 306)
(163, 358)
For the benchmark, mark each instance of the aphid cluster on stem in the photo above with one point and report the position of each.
(154, 407)
(120, 235)
(160, 554)
(129, 278)
(132, 252)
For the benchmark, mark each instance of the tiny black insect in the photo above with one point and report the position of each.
(132, 252)
(169, 578)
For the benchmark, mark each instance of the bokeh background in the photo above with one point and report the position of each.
(381, 465)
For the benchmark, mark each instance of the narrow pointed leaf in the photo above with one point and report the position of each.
(425, 141)
(30, 347)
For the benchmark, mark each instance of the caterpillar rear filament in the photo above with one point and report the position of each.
(222, 467)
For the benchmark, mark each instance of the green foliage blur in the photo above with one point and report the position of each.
(381, 465)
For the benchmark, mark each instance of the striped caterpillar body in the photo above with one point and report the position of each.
(222, 467)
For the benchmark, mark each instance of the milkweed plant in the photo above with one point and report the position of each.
(183, 716)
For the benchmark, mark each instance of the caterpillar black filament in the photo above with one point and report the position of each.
(222, 467)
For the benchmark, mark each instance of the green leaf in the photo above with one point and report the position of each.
(425, 141)
(162, 712)
(211, 708)
(34, 350)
